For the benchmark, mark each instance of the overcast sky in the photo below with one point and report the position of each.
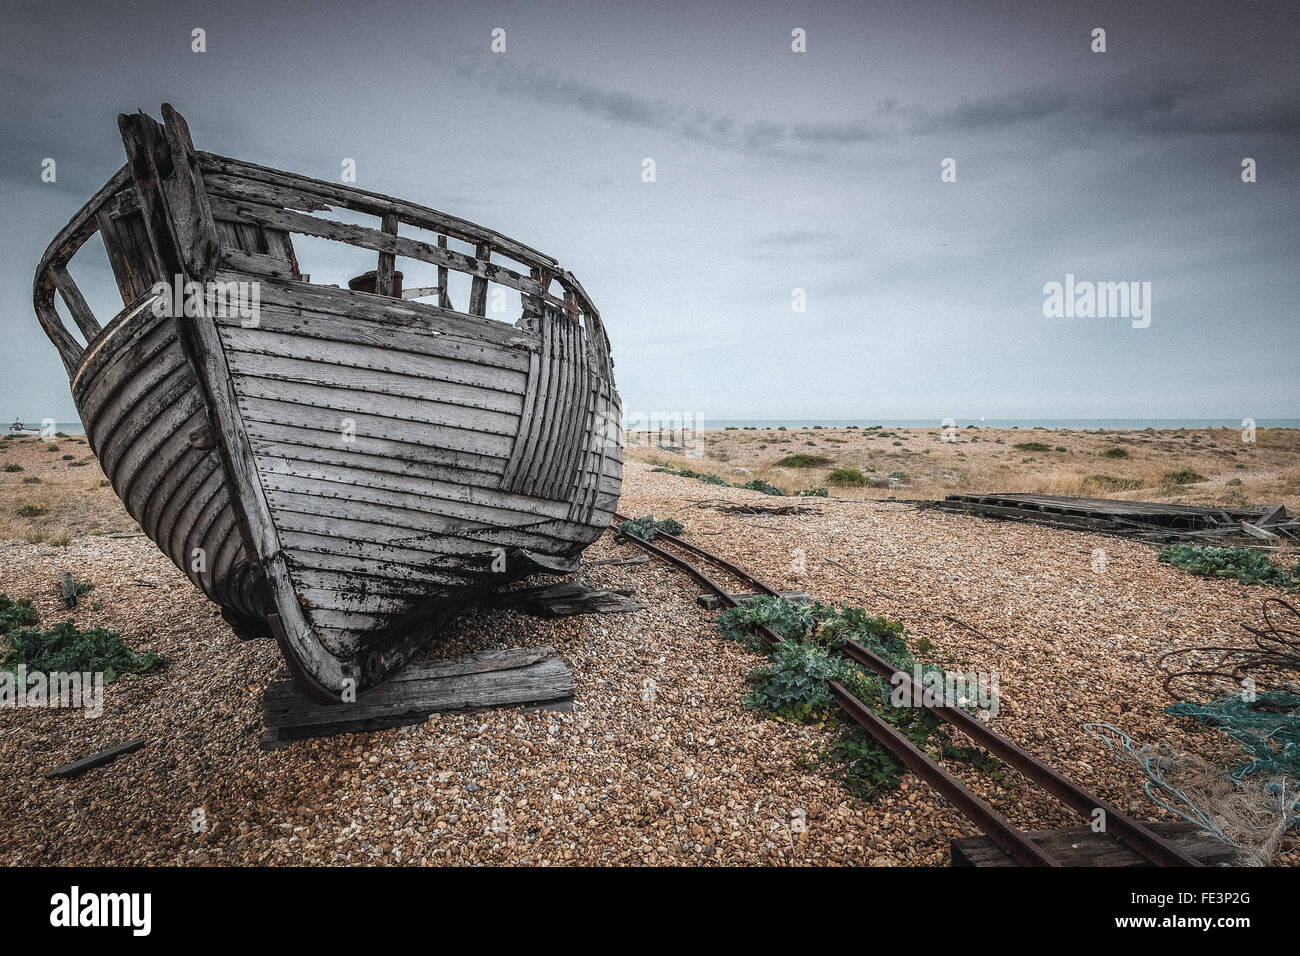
(775, 171)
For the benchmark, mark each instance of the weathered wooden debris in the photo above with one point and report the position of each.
(68, 589)
(618, 562)
(564, 600)
(531, 677)
(711, 602)
(1143, 520)
(78, 767)
(350, 465)
(1080, 846)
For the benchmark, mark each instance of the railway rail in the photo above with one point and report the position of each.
(687, 557)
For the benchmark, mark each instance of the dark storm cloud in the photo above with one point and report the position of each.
(1166, 106)
(713, 128)
(817, 171)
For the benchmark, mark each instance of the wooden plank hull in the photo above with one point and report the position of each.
(340, 470)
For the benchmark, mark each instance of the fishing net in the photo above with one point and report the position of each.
(1251, 806)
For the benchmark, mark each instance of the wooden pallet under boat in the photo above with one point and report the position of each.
(337, 469)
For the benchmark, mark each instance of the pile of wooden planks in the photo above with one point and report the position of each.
(1144, 520)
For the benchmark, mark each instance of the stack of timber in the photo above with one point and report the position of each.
(339, 469)
(1143, 520)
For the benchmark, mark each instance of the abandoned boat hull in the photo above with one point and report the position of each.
(342, 469)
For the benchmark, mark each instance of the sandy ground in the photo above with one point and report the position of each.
(934, 462)
(658, 763)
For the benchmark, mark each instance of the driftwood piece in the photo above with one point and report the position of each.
(78, 767)
(68, 589)
(523, 676)
(1080, 846)
(1257, 532)
(616, 562)
(711, 602)
(1275, 515)
(564, 600)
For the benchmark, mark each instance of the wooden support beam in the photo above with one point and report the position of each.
(478, 290)
(532, 677)
(444, 300)
(387, 261)
(75, 302)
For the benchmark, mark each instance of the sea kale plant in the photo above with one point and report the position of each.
(64, 648)
(794, 684)
(647, 528)
(1247, 565)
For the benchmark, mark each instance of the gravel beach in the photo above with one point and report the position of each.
(659, 762)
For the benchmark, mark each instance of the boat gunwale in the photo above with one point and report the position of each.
(83, 225)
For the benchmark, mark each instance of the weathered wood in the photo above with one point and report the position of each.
(1155, 521)
(634, 559)
(68, 589)
(367, 238)
(78, 767)
(444, 300)
(332, 473)
(76, 303)
(509, 678)
(1080, 846)
(711, 602)
(376, 204)
(1257, 532)
(1275, 515)
(478, 288)
(565, 599)
(384, 274)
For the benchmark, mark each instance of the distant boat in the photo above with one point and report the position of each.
(18, 428)
(340, 469)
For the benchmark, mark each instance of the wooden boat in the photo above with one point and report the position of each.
(345, 468)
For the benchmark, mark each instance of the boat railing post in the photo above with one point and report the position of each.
(478, 289)
(387, 260)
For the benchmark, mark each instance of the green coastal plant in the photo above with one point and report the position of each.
(1247, 565)
(647, 528)
(846, 478)
(66, 648)
(16, 614)
(1184, 476)
(803, 461)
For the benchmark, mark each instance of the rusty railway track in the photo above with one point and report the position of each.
(684, 555)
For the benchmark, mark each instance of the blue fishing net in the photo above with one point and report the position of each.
(1267, 727)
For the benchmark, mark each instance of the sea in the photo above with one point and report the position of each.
(68, 428)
